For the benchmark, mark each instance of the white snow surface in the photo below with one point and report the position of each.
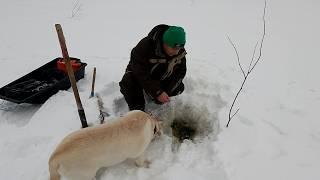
(275, 135)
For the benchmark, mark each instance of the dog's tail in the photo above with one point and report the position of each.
(53, 169)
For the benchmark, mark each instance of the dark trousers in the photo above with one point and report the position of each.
(133, 92)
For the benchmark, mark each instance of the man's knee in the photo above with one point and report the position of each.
(135, 100)
(125, 83)
(140, 107)
(132, 92)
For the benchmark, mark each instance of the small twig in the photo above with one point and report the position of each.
(235, 113)
(235, 49)
(249, 68)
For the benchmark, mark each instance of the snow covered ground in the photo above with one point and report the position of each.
(275, 135)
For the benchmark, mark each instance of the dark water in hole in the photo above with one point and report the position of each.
(182, 129)
(185, 120)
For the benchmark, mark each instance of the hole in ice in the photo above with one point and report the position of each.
(187, 121)
(183, 129)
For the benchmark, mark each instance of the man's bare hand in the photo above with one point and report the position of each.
(163, 97)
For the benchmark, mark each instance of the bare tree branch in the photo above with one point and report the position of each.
(235, 49)
(254, 53)
(249, 69)
(234, 100)
(264, 34)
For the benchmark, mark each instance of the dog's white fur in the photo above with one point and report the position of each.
(83, 152)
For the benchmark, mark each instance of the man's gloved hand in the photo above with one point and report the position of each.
(163, 97)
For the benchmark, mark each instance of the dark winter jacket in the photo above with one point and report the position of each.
(152, 68)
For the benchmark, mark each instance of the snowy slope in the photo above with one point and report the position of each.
(275, 135)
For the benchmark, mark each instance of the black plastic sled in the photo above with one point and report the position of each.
(39, 85)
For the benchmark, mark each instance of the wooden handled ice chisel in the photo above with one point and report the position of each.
(93, 81)
(102, 110)
(72, 79)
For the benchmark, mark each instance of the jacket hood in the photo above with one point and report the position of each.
(156, 36)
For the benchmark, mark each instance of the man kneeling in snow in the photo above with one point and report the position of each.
(157, 67)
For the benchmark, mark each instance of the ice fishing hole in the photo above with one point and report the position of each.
(188, 121)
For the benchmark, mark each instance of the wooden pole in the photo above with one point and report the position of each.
(72, 79)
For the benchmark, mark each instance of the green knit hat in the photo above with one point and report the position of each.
(174, 36)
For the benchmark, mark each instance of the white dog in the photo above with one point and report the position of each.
(83, 152)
